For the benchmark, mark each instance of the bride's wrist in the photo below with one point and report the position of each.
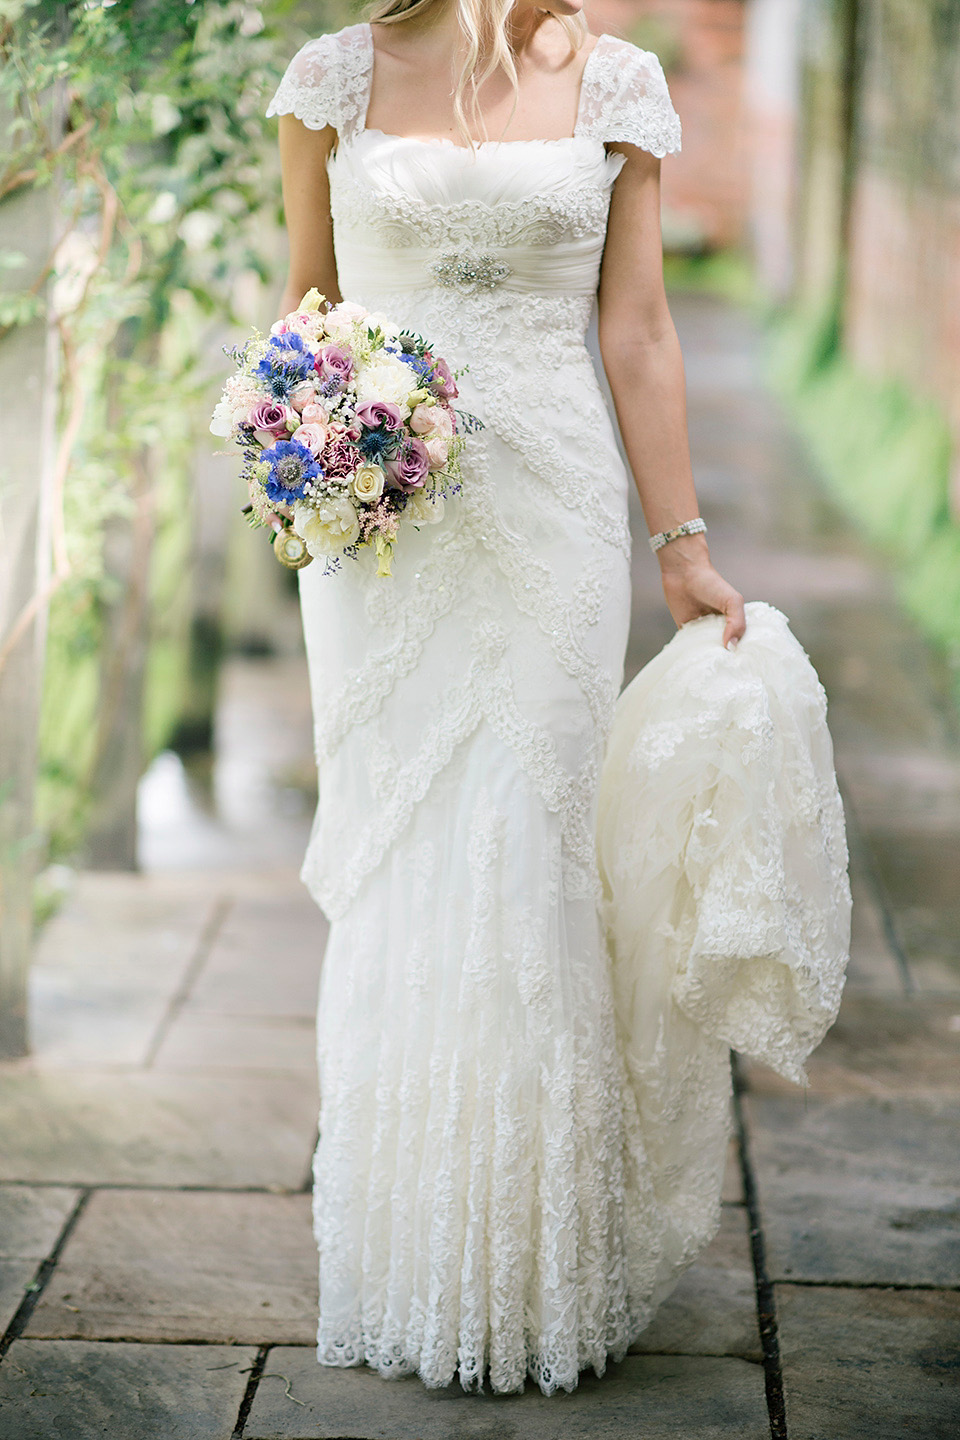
(687, 552)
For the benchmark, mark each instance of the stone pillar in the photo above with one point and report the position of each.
(27, 383)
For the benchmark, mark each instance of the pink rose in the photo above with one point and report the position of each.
(409, 469)
(314, 414)
(429, 420)
(313, 436)
(302, 395)
(438, 449)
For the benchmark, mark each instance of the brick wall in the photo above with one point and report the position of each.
(700, 43)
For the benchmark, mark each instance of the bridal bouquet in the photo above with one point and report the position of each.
(346, 426)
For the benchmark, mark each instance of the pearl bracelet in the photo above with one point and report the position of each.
(689, 527)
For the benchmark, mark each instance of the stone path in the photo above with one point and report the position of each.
(157, 1271)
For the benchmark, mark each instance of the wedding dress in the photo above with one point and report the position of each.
(510, 1176)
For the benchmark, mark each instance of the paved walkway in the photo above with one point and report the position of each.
(158, 1272)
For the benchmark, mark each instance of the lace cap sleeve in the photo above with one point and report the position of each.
(627, 99)
(327, 82)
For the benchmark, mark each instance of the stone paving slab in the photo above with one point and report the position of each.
(859, 1192)
(143, 1128)
(108, 964)
(881, 1046)
(713, 1310)
(650, 1396)
(70, 1390)
(872, 965)
(265, 960)
(15, 1276)
(31, 1218)
(870, 1364)
(732, 1191)
(238, 1042)
(189, 1265)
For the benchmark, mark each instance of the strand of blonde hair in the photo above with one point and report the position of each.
(483, 26)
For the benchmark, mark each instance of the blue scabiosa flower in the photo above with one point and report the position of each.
(292, 467)
(286, 364)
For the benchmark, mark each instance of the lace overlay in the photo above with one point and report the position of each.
(523, 1123)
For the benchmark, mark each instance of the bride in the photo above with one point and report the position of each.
(496, 1193)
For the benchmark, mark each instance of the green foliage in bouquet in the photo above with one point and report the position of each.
(147, 118)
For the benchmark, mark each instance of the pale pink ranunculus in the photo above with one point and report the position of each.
(314, 414)
(438, 450)
(427, 420)
(343, 316)
(313, 436)
(302, 395)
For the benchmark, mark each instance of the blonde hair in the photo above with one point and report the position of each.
(483, 25)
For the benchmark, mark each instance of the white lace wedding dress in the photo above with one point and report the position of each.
(503, 1186)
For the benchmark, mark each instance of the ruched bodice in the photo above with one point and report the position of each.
(516, 217)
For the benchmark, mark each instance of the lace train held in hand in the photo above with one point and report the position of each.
(723, 853)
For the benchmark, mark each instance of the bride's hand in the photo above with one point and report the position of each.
(280, 512)
(692, 587)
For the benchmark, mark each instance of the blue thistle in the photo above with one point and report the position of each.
(288, 364)
(378, 445)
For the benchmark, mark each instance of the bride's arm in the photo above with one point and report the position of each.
(306, 205)
(642, 359)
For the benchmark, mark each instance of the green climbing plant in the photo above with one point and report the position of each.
(147, 118)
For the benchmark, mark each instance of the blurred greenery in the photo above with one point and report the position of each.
(148, 119)
(884, 453)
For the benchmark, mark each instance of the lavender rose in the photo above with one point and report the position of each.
(442, 382)
(374, 413)
(270, 418)
(409, 469)
(332, 363)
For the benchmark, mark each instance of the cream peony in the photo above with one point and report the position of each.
(367, 483)
(386, 378)
(328, 527)
(424, 507)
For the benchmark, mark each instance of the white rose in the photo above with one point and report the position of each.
(385, 378)
(328, 527)
(367, 483)
(424, 507)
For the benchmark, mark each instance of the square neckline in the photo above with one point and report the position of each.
(364, 129)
